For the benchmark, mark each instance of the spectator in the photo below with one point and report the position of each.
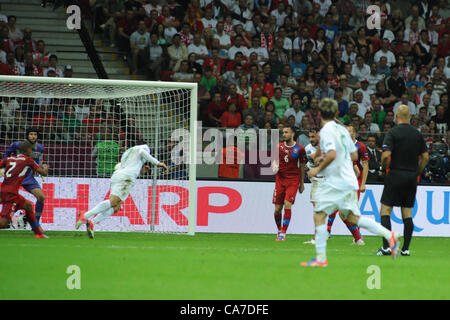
(231, 157)
(52, 66)
(177, 53)
(412, 33)
(45, 122)
(70, 124)
(183, 75)
(214, 62)
(368, 120)
(405, 100)
(383, 68)
(94, 119)
(342, 104)
(296, 112)
(186, 35)
(14, 34)
(126, 26)
(215, 110)
(374, 174)
(193, 65)
(11, 67)
(360, 70)
(266, 88)
(249, 123)
(198, 48)
(236, 98)
(441, 119)
(111, 12)
(68, 71)
(281, 104)
(303, 138)
(41, 57)
(347, 92)
(439, 85)
(378, 115)
(29, 66)
(232, 77)
(156, 58)
(313, 114)
(244, 88)
(268, 75)
(385, 52)
(139, 42)
(169, 21)
(395, 83)
(231, 118)
(323, 91)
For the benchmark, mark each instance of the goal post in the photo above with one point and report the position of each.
(86, 124)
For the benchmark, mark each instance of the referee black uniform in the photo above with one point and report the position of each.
(406, 144)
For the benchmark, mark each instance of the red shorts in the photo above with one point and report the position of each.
(11, 203)
(285, 190)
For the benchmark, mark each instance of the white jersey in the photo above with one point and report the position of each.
(338, 174)
(310, 150)
(133, 159)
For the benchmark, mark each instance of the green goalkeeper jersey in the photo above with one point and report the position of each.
(107, 156)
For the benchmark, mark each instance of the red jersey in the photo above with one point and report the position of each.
(16, 169)
(363, 155)
(288, 162)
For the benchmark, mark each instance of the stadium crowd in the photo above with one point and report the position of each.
(267, 63)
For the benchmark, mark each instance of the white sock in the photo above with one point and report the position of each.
(374, 227)
(102, 216)
(102, 206)
(321, 243)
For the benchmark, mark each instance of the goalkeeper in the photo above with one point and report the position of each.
(134, 162)
(30, 183)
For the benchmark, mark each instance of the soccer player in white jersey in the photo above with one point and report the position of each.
(338, 190)
(134, 162)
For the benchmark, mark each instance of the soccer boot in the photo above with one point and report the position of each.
(394, 244)
(90, 229)
(405, 253)
(312, 241)
(314, 263)
(384, 252)
(80, 220)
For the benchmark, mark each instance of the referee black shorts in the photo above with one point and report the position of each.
(399, 189)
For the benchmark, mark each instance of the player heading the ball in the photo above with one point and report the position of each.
(133, 163)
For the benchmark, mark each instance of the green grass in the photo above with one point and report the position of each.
(214, 266)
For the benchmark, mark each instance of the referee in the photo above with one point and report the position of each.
(406, 148)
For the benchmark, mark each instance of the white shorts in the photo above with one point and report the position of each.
(315, 185)
(329, 199)
(121, 185)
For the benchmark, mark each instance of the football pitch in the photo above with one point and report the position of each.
(215, 266)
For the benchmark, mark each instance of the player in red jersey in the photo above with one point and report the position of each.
(15, 170)
(363, 169)
(290, 169)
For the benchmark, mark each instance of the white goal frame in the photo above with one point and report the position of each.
(192, 215)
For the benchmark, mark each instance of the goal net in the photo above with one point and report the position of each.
(85, 126)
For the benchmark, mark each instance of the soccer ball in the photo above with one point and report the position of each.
(17, 221)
